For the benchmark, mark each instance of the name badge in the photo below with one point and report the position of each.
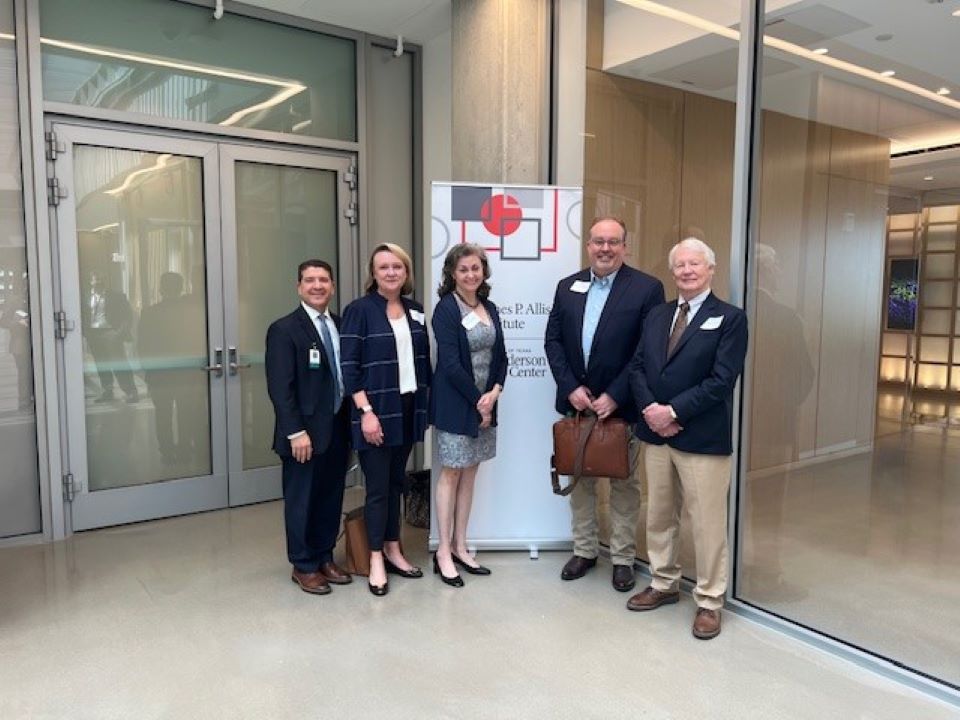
(470, 320)
(712, 323)
(314, 359)
(580, 286)
(417, 315)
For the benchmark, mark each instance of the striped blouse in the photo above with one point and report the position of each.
(368, 360)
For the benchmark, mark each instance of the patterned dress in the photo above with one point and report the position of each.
(460, 451)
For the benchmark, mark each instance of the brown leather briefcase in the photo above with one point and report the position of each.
(357, 547)
(585, 445)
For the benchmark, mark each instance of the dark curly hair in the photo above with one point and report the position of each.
(457, 253)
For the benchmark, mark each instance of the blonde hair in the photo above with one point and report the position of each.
(371, 284)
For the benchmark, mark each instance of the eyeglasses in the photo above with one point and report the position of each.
(610, 243)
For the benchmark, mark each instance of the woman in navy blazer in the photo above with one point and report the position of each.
(385, 360)
(471, 369)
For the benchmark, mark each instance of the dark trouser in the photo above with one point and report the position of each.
(383, 470)
(110, 358)
(313, 501)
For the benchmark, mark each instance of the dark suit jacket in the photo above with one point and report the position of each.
(632, 296)
(699, 378)
(302, 397)
(454, 395)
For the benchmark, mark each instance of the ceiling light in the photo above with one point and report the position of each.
(928, 178)
(820, 51)
(888, 73)
(943, 91)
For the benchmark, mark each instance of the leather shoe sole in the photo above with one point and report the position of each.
(651, 599)
(577, 567)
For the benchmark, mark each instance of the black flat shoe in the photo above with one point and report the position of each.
(394, 570)
(473, 570)
(379, 590)
(455, 581)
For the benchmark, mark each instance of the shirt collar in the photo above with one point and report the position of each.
(696, 301)
(314, 314)
(609, 276)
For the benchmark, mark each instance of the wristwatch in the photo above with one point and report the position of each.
(366, 408)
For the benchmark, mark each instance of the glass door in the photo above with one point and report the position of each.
(140, 261)
(279, 208)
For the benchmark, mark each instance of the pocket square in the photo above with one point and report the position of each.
(712, 323)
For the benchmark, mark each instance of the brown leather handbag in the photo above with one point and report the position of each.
(357, 547)
(585, 445)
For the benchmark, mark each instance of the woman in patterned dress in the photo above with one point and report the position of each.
(471, 369)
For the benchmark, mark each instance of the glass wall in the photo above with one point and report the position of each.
(173, 60)
(660, 120)
(19, 476)
(852, 491)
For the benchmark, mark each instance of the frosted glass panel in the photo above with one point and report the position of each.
(937, 294)
(939, 266)
(144, 320)
(906, 221)
(943, 213)
(894, 344)
(943, 237)
(934, 349)
(172, 60)
(932, 376)
(285, 215)
(892, 369)
(936, 322)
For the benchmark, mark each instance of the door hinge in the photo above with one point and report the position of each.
(69, 488)
(350, 177)
(55, 191)
(54, 146)
(61, 326)
(351, 213)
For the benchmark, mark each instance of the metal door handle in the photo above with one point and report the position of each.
(217, 366)
(233, 364)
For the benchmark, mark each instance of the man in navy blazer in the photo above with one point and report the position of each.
(592, 332)
(311, 434)
(683, 377)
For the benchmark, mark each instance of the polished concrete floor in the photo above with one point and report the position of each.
(195, 617)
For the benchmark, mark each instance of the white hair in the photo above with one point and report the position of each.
(695, 244)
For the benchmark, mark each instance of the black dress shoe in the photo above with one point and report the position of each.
(379, 590)
(455, 581)
(394, 570)
(623, 578)
(472, 569)
(577, 567)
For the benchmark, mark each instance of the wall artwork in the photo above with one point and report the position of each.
(902, 294)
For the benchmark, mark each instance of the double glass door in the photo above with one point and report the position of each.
(175, 256)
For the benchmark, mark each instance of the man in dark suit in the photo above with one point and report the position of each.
(592, 332)
(683, 377)
(312, 427)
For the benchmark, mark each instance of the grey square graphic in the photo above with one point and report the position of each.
(529, 198)
(524, 244)
(466, 202)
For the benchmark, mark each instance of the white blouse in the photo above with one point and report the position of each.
(408, 372)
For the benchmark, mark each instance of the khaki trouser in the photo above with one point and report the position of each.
(624, 513)
(698, 485)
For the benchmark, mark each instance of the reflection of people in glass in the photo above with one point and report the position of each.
(107, 318)
(782, 364)
(15, 319)
(162, 346)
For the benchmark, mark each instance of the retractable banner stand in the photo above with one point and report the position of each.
(531, 235)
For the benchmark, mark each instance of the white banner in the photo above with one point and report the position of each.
(532, 238)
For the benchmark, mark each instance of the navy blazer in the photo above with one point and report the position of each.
(454, 394)
(631, 297)
(302, 396)
(698, 379)
(368, 359)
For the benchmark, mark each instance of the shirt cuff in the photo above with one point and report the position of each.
(296, 435)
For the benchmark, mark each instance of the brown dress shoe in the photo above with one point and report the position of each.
(577, 567)
(334, 574)
(651, 599)
(706, 624)
(314, 583)
(623, 579)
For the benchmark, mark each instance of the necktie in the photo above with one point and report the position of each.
(678, 327)
(332, 360)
